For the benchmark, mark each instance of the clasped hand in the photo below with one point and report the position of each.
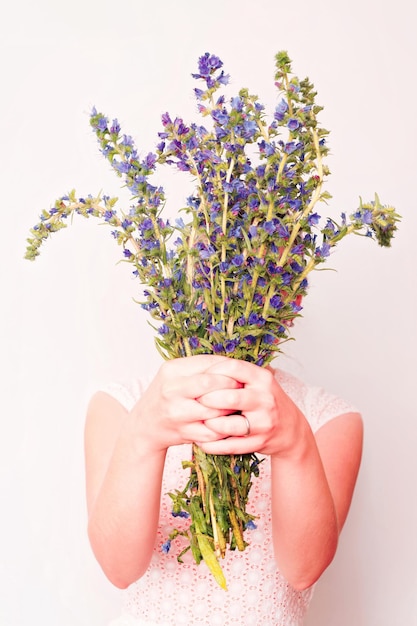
(225, 405)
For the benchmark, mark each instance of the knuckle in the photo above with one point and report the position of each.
(232, 398)
(204, 382)
(166, 390)
(166, 367)
(268, 375)
(269, 403)
(166, 372)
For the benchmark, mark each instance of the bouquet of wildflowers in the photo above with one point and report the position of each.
(229, 278)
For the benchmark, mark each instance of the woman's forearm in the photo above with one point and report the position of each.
(125, 457)
(304, 519)
(124, 516)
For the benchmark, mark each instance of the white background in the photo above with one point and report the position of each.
(69, 323)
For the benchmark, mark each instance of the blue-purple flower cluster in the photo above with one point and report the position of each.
(233, 280)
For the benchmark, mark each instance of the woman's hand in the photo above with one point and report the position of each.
(312, 475)
(123, 498)
(256, 415)
(169, 412)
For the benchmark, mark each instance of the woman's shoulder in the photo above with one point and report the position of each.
(318, 404)
(127, 393)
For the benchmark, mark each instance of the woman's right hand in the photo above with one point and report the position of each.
(125, 457)
(169, 413)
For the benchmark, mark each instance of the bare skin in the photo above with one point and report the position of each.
(192, 400)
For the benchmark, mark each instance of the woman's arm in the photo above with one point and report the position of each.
(123, 480)
(125, 456)
(313, 476)
(312, 487)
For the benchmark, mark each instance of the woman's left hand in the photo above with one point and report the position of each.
(312, 475)
(258, 416)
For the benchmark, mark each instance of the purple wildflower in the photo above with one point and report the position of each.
(199, 93)
(295, 306)
(207, 64)
(166, 546)
(115, 127)
(313, 219)
(238, 260)
(231, 345)
(280, 110)
(108, 215)
(249, 129)
(102, 123)
(147, 224)
(150, 161)
(121, 166)
(324, 251)
(270, 227)
(183, 514)
(166, 120)
(269, 339)
(237, 103)
(363, 216)
(297, 268)
(290, 147)
(276, 301)
(127, 141)
(179, 126)
(250, 525)
(217, 327)
(221, 117)
(293, 124)
(223, 78)
(194, 342)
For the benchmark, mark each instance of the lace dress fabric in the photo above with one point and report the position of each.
(173, 594)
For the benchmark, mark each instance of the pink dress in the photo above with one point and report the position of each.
(174, 594)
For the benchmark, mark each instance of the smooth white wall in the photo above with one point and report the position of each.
(69, 323)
